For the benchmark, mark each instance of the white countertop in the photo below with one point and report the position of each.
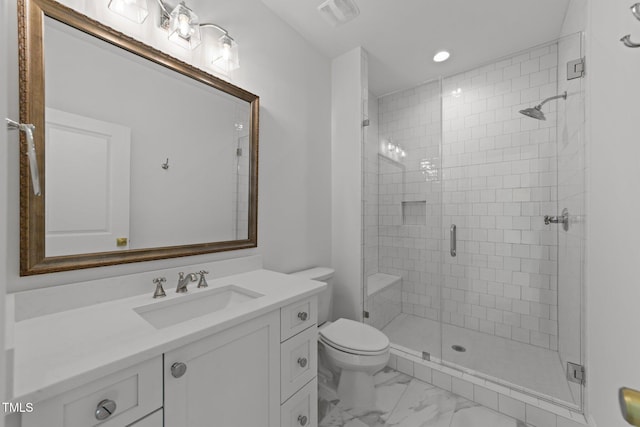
(60, 351)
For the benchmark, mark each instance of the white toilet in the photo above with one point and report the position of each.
(358, 350)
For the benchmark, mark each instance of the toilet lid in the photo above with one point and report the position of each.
(355, 336)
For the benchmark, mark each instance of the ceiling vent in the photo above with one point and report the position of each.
(338, 12)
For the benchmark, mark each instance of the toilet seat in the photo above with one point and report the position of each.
(354, 337)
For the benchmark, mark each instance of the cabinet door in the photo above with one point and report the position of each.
(152, 420)
(232, 378)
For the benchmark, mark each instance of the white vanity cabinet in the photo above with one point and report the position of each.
(232, 378)
(256, 372)
(299, 364)
(116, 400)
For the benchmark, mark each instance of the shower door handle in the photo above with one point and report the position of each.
(452, 233)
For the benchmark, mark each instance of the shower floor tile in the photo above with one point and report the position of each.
(402, 401)
(531, 367)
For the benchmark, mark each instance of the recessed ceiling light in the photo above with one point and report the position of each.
(441, 56)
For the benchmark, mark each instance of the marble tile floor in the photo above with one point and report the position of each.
(403, 401)
(492, 355)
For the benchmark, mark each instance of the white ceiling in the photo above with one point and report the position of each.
(401, 36)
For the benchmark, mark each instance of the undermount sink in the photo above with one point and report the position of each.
(187, 307)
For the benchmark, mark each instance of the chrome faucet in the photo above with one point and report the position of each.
(183, 281)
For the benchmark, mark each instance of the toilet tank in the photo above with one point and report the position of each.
(321, 274)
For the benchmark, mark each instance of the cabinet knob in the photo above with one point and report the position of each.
(303, 315)
(178, 369)
(104, 409)
(302, 420)
(302, 361)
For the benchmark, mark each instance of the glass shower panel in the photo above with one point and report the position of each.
(571, 195)
(500, 299)
(403, 219)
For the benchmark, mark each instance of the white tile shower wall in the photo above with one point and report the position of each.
(571, 195)
(499, 171)
(411, 119)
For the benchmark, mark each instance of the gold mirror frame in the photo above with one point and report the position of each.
(33, 260)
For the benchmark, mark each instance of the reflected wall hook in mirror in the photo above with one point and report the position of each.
(165, 165)
(28, 130)
(627, 41)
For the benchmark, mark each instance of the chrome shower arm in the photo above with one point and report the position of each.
(563, 96)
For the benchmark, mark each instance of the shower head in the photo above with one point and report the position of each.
(536, 112)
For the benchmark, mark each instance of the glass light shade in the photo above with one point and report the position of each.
(225, 57)
(134, 10)
(184, 28)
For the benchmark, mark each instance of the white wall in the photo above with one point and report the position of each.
(3, 194)
(292, 80)
(346, 157)
(613, 257)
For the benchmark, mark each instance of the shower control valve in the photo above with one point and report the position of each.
(562, 219)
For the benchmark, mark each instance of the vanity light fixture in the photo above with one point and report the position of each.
(222, 53)
(134, 10)
(184, 28)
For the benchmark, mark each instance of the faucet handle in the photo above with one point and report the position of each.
(203, 282)
(159, 292)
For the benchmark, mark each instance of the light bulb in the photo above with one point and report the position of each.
(397, 149)
(226, 49)
(441, 56)
(390, 147)
(184, 27)
(403, 153)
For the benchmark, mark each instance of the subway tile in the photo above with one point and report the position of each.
(462, 388)
(512, 407)
(486, 397)
(423, 372)
(539, 417)
(442, 380)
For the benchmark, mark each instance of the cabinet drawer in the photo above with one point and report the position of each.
(135, 391)
(297, 317)
(299, 362)
(302, 409)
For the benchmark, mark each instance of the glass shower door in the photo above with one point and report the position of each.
(500, 299)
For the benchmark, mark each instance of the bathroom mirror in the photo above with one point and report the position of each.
(141, 156)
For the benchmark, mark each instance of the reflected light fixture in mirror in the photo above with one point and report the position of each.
(134, 10)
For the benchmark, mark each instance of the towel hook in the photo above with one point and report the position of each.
(28, 130)
(627, 41)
